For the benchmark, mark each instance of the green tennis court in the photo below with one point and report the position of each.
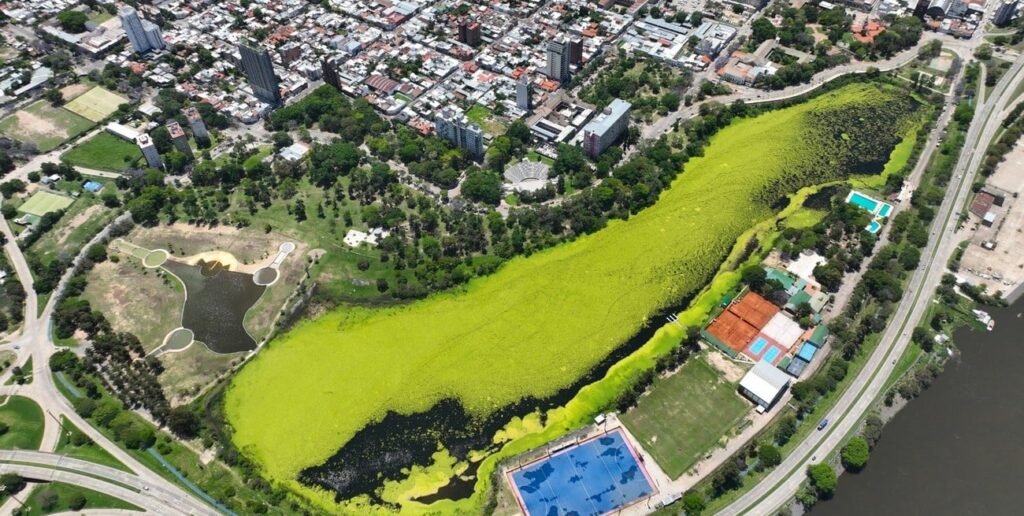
(43, 202)
(95, 104)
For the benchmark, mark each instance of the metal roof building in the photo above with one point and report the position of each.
(764, 384)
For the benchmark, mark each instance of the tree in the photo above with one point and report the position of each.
(762, 30)
(76, 501)
(72, 21)
(483, 186)
(183, 422)
(823, 478)
(784, 432)
(983, 52)
(282, 140)
(693, 503)
(54, 96)
(769, 456)
(754, 277)
(97, 253)
(4, 428)
(872, 430)
(855, 454)
(12, 483)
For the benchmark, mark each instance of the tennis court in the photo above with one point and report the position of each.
(595, 477)
(95, 104)
(43, 202)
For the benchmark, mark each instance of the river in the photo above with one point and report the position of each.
(958, 448)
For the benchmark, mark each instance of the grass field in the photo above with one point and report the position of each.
(25, 421)
(95, 104)
(79, 224)
(44, 126)
(43, 202)
(684, 415)
(543, 321)
(104, 152)
(90, 452)
(63, 494)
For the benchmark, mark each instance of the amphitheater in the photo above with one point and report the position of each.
(527, 176)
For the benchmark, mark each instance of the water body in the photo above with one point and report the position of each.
(216, 304)
(957, 449)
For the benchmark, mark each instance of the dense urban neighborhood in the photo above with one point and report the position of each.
(505, 257)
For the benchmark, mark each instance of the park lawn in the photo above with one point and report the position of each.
(93, 500)
(103, 152)
(25, 421)
(251, 162)
(484, 117)
(533, 155)
(44, 126)
(145, 302)
(90, 452)
(684, 415)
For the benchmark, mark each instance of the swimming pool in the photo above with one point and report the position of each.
(758, 346)
(772, 354)
(592, 478)
(874, 227)
(862, 201)
(884, 210)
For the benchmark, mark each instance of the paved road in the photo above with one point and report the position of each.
(780, 485)
(123, 485)
(753, 96)
(35, 341)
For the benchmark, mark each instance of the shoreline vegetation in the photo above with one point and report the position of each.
(262, 410)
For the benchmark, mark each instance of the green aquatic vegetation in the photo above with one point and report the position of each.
(542, 322)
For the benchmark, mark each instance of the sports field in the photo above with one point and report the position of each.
(104, 152)
(544, 321)
(684, 415)
(96, 104)
(44, 125)
(43, 202)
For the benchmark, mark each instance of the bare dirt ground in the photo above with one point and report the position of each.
(35, 126)
(248, 246)
(66, 228)
(1001, 268)
(731, 371)
(187, 372)
(142, 301)
(73, 90)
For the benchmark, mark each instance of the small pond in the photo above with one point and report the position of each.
(216, 303)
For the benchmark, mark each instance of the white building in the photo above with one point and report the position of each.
(143, 34)
(457, 129)
(606, 128)
(764, 384)
(149, 151)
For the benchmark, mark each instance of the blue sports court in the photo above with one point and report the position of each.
(592, 478)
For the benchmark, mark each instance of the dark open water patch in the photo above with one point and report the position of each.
(216, 303)
(381, 450)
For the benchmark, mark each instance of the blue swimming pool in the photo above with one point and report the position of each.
(772, 354)
(874, 226)
(596, 477)
(860, 200)
(758, 346)
(885, 210)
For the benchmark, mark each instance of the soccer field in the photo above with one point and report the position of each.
(43, 125)
(96, 104)
(43, 202)
(684, 415)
